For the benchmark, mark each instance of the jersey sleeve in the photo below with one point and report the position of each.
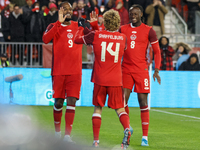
(84, 39)
(50, 32)
(94, 25)
(156, 49)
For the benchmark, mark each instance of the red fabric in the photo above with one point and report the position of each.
(67, 56)
(138, 38)
(52, 5)
(115, 96)
(46, 11)
(168, 54)
(107, 65)
(145, 120)
(124, 119)
(127, 109)
(96, 125)
(124, 16)
(66, 86)
(3, 5)
(140, 80)
(101, 27)
(34, 9)
(69, 119)
(47, 55)
(57, 119)
(117, 1)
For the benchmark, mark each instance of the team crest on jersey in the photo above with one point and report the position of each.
(70, 35)
(133, 37)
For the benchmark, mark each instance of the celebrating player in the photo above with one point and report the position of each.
(134, 65)
(109, 46)
(66, 67)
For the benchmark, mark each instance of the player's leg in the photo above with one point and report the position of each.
(69, 117)
(128, 83)
(59, 95)
(142, 99)
(96, 124)
(72, 88)
(57, 114)
(99, 99)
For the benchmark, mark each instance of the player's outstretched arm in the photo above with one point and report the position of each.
(93, 20)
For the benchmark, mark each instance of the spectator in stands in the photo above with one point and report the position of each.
(143, 3)
(20, 3)
(52, 15)
(156, 12)
(124, 16)
(192, 64)
(5, 22)
(109, 5)
(193, 5)
(3, 61)
(17, 34)
(28, 7)
(1, 34)
(166, 54)
(100, 2)
(180, 49)
(82, 10)
(35, 26)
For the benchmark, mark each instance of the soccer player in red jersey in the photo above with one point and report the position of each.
(134, 65)
(66, 67)
(109, 46)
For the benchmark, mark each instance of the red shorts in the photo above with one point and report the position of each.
(140, 80)
(115, 96)
(66, 86)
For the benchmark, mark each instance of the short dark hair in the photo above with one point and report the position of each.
(136, 6)
(16, 5)
(61, 4)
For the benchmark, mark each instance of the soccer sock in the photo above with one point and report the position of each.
(57, 114)
(69, 118)
(96, 124)
(127, 109)
(124, 119)
(145, 120)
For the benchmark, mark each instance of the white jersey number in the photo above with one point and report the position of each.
(132, 44)
(70, 43)
(109, 49)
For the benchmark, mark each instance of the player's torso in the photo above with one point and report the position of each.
(67, 54)
(108, 49)
(137, 44)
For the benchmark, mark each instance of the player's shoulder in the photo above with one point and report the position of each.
(146, 26)
(124, 27)
(74, 23)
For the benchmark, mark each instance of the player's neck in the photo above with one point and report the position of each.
(67, 22)
(136, 24)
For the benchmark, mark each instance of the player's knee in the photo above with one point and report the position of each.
(71, 100)
(59, 103)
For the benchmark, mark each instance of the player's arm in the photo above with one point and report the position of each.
(50, 32)
(53, 29)
(157, 57)
(80, 38)
(93, 20)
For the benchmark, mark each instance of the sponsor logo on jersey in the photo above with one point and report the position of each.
(113, 37)
(69, 30)
(146, 88)
(134, 31)
(133, 37)
(70, 35)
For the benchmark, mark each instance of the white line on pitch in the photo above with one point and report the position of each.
(175, 114)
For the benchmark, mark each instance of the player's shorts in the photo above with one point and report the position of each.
(140, 80)
(66, 86)
(115, 96)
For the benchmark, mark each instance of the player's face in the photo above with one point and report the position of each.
(68, 11)
(135, 15)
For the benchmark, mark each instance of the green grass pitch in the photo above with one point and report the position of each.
(169, 129)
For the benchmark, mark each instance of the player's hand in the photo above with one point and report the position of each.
(157, 76)
(81, 22)
(93, 17)
(61, 17)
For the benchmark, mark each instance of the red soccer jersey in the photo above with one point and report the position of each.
(67, 56)
(138, 38)
(108, 50)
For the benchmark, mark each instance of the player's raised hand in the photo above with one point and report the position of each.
(81, 22)
(61, 17)
(157, 76)
(93, 17)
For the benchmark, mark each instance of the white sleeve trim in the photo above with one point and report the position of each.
(154, 42)
(84, 40)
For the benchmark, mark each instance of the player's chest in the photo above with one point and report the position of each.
(137, 36)
(68, 33)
